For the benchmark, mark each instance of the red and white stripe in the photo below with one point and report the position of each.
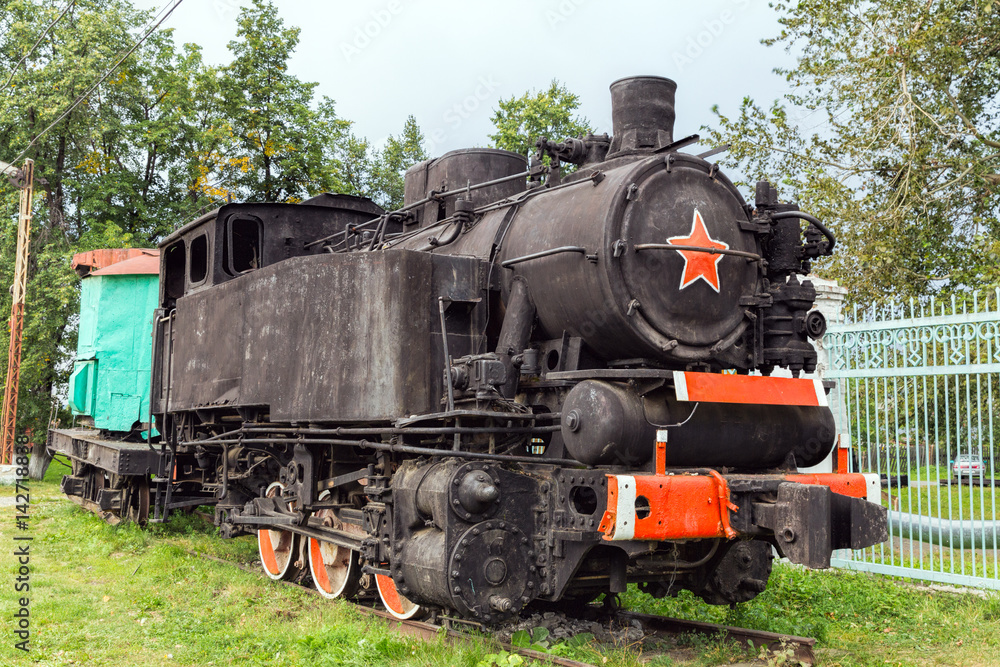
(749, 389)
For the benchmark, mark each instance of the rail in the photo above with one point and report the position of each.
(774, 643)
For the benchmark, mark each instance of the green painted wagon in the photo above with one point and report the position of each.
(109, 386)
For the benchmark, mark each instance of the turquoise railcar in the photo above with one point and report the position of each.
(109, 386)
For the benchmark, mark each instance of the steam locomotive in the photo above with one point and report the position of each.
(533, 382)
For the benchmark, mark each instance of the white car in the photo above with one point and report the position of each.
(967, 466)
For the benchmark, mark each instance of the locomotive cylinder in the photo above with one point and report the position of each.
(605, 422)
(424, 565)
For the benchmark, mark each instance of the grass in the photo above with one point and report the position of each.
(960, 502)
(119, 595)
(966, 501)
(859, 619)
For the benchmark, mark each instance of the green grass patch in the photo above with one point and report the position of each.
(954, 501)
(859, 619)
(121, 595)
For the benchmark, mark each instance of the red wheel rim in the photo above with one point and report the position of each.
(394, 602)
(335, 570)
(278, 548)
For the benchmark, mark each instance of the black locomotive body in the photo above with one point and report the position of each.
(524, 385)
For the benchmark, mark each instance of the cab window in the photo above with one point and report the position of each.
(198, 269)
(173, 269)
(244, 241)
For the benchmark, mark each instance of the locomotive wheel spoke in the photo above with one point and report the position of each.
(394, 602)
(335, 570)
(278, 548)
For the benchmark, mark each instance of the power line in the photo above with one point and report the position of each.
(157, 15)
(68, 7)
(103, 78)
(38, 41)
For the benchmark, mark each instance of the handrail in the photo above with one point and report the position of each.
(544, 253)
(712, 251)
(433, 195)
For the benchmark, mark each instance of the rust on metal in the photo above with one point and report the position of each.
(97, 260)
(25, 180)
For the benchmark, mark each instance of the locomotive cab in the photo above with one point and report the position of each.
(239, 238)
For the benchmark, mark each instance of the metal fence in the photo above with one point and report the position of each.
(918, 390)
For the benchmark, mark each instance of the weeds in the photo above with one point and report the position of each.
(777, 657)
(858, 618)
(576, 647)
(120, 595)
(501, 659)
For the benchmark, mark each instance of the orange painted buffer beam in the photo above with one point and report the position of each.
(662, 507)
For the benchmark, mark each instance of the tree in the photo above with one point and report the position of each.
(519, 121)
(205, 133)
(108, 166)
(163, 139)
(112, 157)
(900, 152)
(378, 174)
(390, 164)
(283, 149)
(355, 167)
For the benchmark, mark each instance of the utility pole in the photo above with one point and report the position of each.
(25, 180)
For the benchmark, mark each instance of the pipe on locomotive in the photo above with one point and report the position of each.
(433, 195)
(811, 219)
(403, 449)
(441, 195)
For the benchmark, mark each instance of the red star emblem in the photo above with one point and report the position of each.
(699, 265)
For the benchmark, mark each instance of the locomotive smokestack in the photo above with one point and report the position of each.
(642, 114)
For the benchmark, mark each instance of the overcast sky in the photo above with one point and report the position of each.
(448, 62)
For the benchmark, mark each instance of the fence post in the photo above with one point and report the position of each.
(829, 301)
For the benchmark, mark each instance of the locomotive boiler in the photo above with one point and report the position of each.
(536, 381)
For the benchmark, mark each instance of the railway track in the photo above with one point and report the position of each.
(654, 627)
(775, 643)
